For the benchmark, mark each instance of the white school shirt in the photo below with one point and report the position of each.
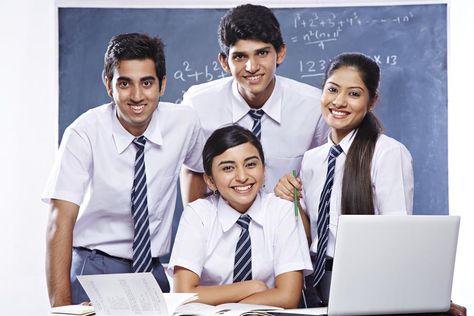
(208, 233)
(94, 168)
(391, 174)
(291, 125)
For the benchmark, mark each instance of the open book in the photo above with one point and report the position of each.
(129, 294)
(230, 309)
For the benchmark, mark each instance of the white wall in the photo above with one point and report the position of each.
(28, 114)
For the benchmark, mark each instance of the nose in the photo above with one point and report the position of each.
(251, 65)
(339, 100)
(241, 175)
(136, 95)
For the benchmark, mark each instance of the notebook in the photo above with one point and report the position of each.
(393, 264)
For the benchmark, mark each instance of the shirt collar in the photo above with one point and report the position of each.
(228, 216)
(345, 143)
(123, 138)
(272, 107)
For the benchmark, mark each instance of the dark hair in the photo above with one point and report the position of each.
(357, 196)
(135, 46)
(249, 22)
(224, 138)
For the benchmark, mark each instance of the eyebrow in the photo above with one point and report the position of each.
(355, 87)
(233, 162)
(147, 78)
(252, 157)
(256, 50)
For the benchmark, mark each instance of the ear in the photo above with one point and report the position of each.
(163, 86)
(373, 102)
(209, 182)
(108, 85)
(223, 61)
(281, 54)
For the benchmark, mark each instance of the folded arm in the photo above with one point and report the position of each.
(286, 294)
(187, 281)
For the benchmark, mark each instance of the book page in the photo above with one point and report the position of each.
(124, 294)
(229, 309)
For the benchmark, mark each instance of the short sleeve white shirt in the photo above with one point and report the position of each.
(391, 175)
(94, 168)
(208, 233)
(291, 125)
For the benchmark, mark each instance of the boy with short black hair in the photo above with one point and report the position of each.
(282, 112)
(119, 163)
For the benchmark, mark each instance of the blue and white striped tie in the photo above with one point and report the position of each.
(142, 261)
(257, 122)
(323, 216)
(243, 252)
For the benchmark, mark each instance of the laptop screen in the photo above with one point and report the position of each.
(393, 264)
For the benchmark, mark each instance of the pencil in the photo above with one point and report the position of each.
(295, 196)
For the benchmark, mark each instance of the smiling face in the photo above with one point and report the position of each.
(344, 102)
(253, 64)
(135, 90)
(238, 175)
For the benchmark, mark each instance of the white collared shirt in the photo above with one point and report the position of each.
(391, 174)
(208, 233)
(94, 168)
(291, 125)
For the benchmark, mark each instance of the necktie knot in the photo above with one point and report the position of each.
(140, 142)
(256, 114)
(335, 151)
(244, 221)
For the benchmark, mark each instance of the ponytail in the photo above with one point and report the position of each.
(357, 196)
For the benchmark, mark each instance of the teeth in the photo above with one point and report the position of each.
(339, 113)
(254, 78)
(137, 108)
(244, 188)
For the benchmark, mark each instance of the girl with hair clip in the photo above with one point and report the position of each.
(239, 244)
(358, 171)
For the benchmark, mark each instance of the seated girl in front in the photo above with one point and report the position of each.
(239, 244)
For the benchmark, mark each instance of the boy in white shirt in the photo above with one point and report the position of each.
(118, 164)
(288, 121)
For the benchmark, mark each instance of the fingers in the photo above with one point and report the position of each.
(285, 186)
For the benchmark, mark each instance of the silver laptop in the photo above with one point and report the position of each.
(393, 264)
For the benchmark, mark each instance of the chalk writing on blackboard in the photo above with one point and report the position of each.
(196, 74)
(316, 68)
(319, 29)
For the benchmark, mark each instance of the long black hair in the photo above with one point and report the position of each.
(357, 195)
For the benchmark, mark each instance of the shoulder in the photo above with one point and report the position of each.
(299, 89)
(208, 89)
(97, 118)
(389, 147)
(204, 208)
(389, 144)
(274, 205)
(171, 112)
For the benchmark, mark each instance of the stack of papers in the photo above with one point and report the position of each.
(81, 310)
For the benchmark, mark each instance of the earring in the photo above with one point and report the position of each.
(215, 192)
